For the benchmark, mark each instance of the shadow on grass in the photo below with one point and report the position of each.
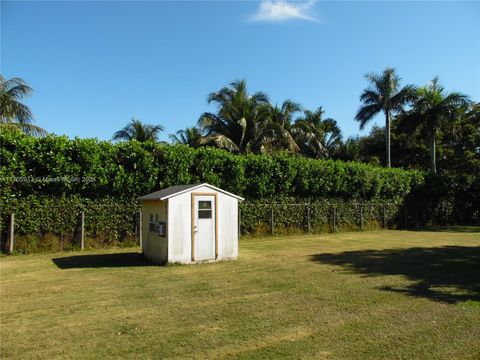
(102, 260)
(447, 229)
(447, 274)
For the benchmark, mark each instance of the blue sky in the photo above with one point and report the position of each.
(95, 65)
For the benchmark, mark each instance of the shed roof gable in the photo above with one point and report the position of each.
(181, 189)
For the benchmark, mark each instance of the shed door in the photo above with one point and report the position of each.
(204, 227)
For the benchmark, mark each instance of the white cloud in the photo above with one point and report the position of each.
(282, 10)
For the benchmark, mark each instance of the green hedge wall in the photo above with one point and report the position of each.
(48, 181)
(53, 224)
(293, 216)
(58, 166)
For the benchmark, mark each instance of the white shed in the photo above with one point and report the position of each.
(190, 223)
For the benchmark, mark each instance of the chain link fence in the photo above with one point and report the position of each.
(63, 224)
(322, 216)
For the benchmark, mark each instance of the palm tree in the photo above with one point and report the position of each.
(278, 128)
(191, 136)
(240, 121)
(384, 94)
(349, 150)
(13, 113)
(136, 130)
(317, 137)
(432, 107)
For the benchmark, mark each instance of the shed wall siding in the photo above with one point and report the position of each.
(179, 231)
(227, 227)
(154, 246)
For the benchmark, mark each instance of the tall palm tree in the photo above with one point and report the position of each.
(432, 107)
(384, 94)
(13, 113)
(191, 136)
(240, 121)
(317, 137)
(136, 130)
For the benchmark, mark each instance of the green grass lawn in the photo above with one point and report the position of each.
(370, 295)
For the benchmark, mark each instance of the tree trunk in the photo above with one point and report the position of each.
(433, 152)
(387, 137)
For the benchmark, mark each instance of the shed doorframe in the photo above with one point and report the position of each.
(215, 195)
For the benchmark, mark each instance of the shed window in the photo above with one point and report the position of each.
(204, 205)
(162, 229)
(204, 209)
(153, 225)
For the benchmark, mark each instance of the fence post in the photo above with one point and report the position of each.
(140, 229)
(82, 231)
(239, 223)
(384, 217)
(361, 217)
(308, 218)
(443, 215)
(271, 220)
(334, 219)
(11, 235)
(405, 218)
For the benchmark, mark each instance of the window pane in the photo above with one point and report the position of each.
(205, 205)
(204, 214)
(162, 229)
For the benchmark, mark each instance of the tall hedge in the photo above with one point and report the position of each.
(58, 166)
(49, 181)
(45, 223)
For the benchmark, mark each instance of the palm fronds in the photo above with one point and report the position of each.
(136, 130)
(13, 113)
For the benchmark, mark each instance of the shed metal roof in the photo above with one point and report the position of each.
(180, 189)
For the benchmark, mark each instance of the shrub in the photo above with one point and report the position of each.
(52, 224)
(48, 181)
(91, 168)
